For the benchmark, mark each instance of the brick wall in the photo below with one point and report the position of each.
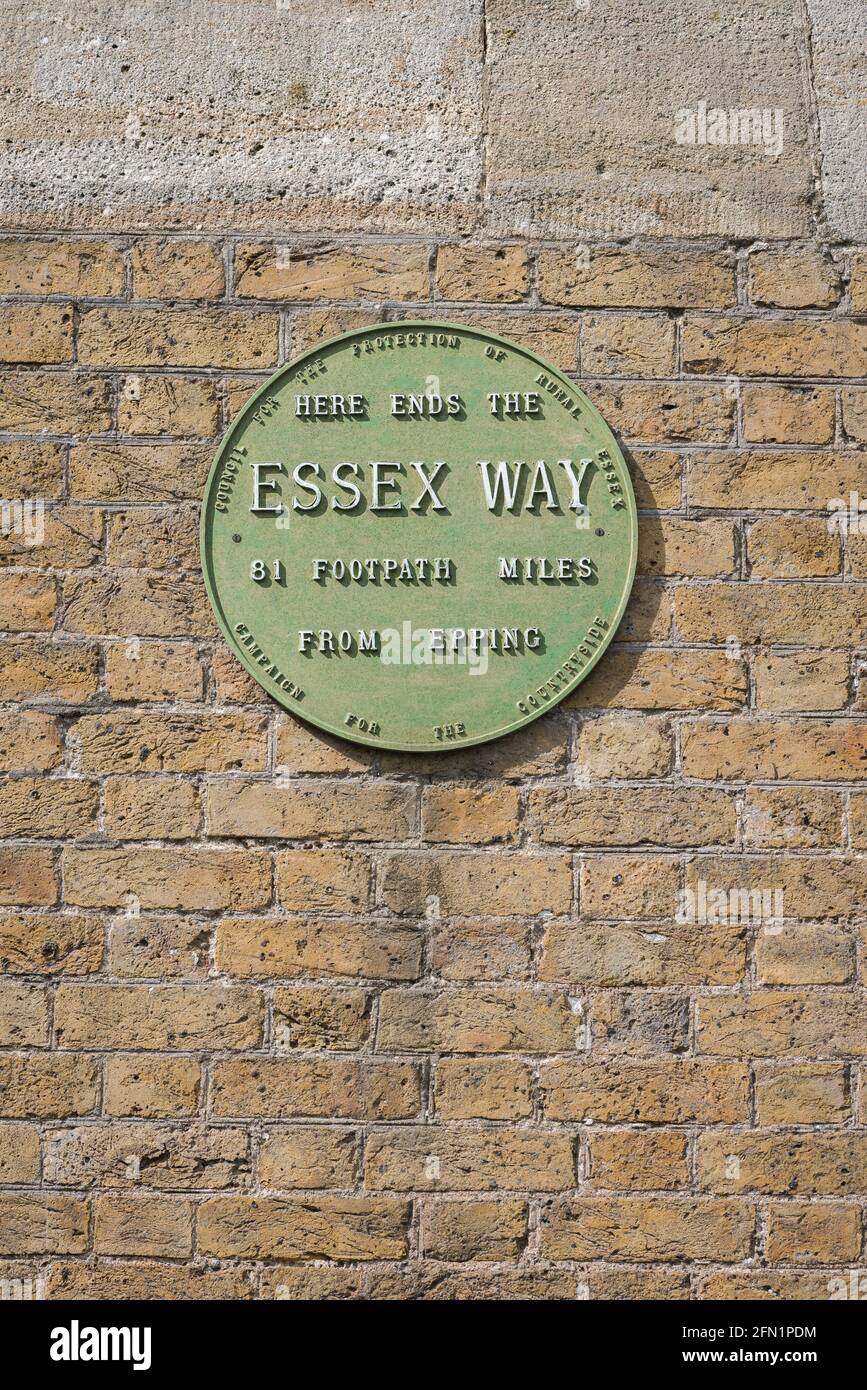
(283, 1017)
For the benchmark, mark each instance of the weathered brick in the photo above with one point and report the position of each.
(805, 480)
(813, 887)
(627, 345)
(339, 1228)
(770, 1285)
(177, 338)
(41, 669)
(858, 820)
(472, 1020)
(28, 602)
(151, 1088)
(31, 470)
(146, 1279)
(153, 671)
(23, 1014)
(293, 947)
(309, 810)
(302, 749)
(33, 402)
(789, 614)
(28, 876)
(158, 1016)
(471, 883)
(456, 815)
(474, 1230)
(71, 539)
(637, 1024)
(134, 1156)
(150, 808)
(656, 477)
(310, 327)
(806, 680)
(551, 335)
(309, 1156)
(783, 1023)
(47, 1086)
(630, 885)
(642, 1160)
(91, 269)
(337, 1020)
(794, 279)
(792, 818)
(135, 1225)
(155, 538)
(496, 274)
(802, 1093)
(169, 268)
(813, 1232)
(657, 679)
(471, 950)
(637, 816)
(820, 749)
(788, 414)
(673, 412)
(136, 603)
(624, 747)
(19, 1153)
(383, 271)
(48, 807)
(42, 1223)
(622, 1283)
(322, 880)
(854, 403)
(437, 1158)
(658, 954)
(679, 1091)
(799, 954)
(189, 879)
(139, 472)
(29, 741)
(35, 333)
(177, 405)
(819, 1163)
(671, 546)
(145, 947)
(291, 1087)
(773, 347)
(621, 276)
(647, 1228)
(483, 1089)
(124, 740)
(58, 944)
(792, 548)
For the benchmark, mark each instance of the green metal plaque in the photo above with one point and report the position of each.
(419, 536)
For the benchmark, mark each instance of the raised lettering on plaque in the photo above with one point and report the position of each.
(419, 536)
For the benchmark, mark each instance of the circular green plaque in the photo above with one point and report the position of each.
(419, 536)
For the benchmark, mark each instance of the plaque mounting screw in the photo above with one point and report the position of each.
(236, 537)
(600, 530)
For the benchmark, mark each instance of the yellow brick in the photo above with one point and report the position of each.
(172, 268)
(36, 333)
(139, 472)
(145, 1279)
(818, 749)
(28, 602)
(813, 1233)
(160, 1017)
(794, 279)
(59, 944)
(854, 400)
(638, 1160)
(90, 269)
(551, 335)
(807, 479)
(336, 1020)
(28, 876)
(627, 345)
(781, 1023)
(153, 671)
(256, 947)
(658, 679)
(806, 680)
(322, 880)
(608, 955)
(136, 603)
(329, 1087)
(620, 276)
(302, 749)
(792, 818)
(342, 1228)
(442, 1158)
(792, 548)
(193, 879)
(822, 1163)
(647, 1228)
(800, 954)
(670, 413)
(151, 808)
(311, 810)
(497, 274)
(832, 615)
(680, 1091)
(624, 747)
(802, 1093)
(135, 1225)
(177, 338)
(483, 1089)
(59, 403)
(176, 405)
(629, 886)
(788, 414)
(151, 1087)
(71, 539)
(633, 816)
(42, 1223)
(130, 741)
(466, 815)
(29, 469)
(48, 807)
(670, 546)
(656, 477)
(23, 1014)
(29, 741)
(475, 1020)
(773, 347)
(814, 887)
(137, 1156)
(47, 1086)
(473, 883)
(19, 1155)
(310, 1156)
(474, 1230)
(469, 949)
(143, 947)
(382, 271)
